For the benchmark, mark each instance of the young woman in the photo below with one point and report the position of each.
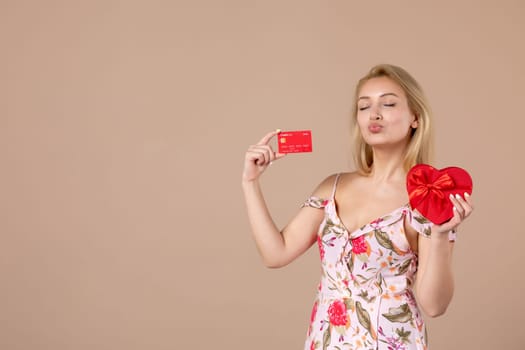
(370, 241)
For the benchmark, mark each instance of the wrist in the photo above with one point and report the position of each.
(249, 183)
(449, 235)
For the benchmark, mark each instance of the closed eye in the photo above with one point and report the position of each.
(389, 104)
(363, 108)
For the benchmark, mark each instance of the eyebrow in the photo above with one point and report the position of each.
(383, 95)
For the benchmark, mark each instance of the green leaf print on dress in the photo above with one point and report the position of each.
(364, 318)
(399, 314)
(383, 239)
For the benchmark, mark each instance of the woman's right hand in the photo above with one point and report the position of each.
(258, 157)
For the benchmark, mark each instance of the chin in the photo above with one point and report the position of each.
(383, 141)
(375, 141)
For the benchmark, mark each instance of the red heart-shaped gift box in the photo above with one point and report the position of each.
(429, 189)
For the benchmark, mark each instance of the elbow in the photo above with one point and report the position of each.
(435, 312)
(434, 309)
(435, 304)
(273, 263)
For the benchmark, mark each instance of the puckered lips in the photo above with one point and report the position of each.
(375, 128)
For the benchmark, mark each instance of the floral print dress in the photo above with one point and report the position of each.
(365, 298)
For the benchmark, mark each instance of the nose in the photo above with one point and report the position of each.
(375, 114)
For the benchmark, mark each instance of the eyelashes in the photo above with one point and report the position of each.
(385, 105)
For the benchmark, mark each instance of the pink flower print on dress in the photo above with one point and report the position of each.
(321, 248)
(314, 312)
(312, 316)
(376, 222)
(359, 245)
(337, 313)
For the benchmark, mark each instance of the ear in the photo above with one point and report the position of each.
(415, 123)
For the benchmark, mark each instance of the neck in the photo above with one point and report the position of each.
(388, 165)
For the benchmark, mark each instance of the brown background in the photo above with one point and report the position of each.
(123, 130)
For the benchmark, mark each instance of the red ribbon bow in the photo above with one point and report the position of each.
(423, 189)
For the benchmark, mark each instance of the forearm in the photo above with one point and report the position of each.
(436, 286)
(268, 238)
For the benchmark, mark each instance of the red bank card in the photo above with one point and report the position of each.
(294, 141)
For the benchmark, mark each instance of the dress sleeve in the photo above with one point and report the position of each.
(315, 202)
(419, 223)
(424, 226)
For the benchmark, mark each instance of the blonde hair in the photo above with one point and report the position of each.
(419, 149)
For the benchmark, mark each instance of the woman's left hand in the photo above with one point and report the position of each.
(462, 209)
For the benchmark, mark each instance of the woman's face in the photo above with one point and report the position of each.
(383, 115)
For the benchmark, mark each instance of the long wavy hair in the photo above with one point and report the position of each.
(420, 146)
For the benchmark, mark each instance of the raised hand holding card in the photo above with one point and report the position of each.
(429, 189)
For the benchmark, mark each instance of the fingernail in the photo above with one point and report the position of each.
(454, 208)
(466, 194)
(458, 196)
(451, 196)
(278, 130)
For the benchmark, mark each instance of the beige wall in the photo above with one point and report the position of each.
(123, 126)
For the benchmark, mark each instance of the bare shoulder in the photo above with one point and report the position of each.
(324, 189)
(351, 177)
